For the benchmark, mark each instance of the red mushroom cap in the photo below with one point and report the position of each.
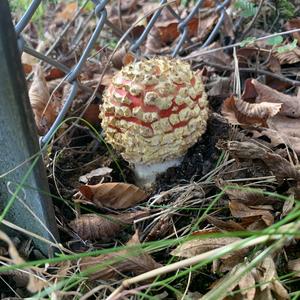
(154, 110)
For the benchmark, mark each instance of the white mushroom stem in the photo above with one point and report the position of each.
(145, 175)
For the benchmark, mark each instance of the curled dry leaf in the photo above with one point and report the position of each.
(198, 246)
(104, 228)
(290, 104)
(95, 173)
(293, 24)
(240, 193)
(283, 126)
(238, 111)
(240, 210)
(250, 54)
(114, 195)
(229, 225)
(267, 278)
(34, 279)
(67, 12)
(247, 286)
(289, 57)
(277, 138)
(134, 260)
(122, 57)
(240, 282)
(294, 266)
(44, 111)
(279, 166)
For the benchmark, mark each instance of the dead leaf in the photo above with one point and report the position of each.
(91, 114)
(293, 24)
(238, 111)
(229, 225)
(100, 172)
(168, 30)
(276, 138)
(248, 55)
(53, 74)
(288, 205)
(134, 260)
(240, 210)
(115, 195)
(67, 12)
(122, 57)
(243, 195)
(162, 227)
(103, 228)
(198, 246)
(279, 166)
(247, 286)
(285, 122)
(268, 278)
(288, 57)
(44, 111)
(35, 280)
(238, 269)
(294, 266)
(290, 104)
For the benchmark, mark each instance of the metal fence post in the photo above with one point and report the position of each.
(19, 142)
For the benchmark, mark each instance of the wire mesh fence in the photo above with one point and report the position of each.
(100, 12)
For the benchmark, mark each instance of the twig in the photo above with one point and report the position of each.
(207, 50)
(252, 70)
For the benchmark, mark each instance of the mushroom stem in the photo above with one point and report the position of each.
(145, 175)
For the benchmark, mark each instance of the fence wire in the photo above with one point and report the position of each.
(100, 13)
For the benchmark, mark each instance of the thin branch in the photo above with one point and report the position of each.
(252, 70)
(207, 50)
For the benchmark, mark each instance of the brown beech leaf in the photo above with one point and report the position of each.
(290, 104)
(289, 57)
(35, 280)
(132, 260)
(238, 111)
(247, 286)
(245, 196)
(294, 266)
(198, 246)
(99, 172)
(229, 225)
(276, 138)
(67, 12)
(250, 54)
(44, 111)
(238, 269)
(279, 166)
(104, 228)
(218, 57)
(116, 195)
(267, 278)
(240, 210)
(293, 24)
(168, 30)
(285, 122)
(122, 57)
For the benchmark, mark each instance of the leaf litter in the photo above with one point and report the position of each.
(247, 157)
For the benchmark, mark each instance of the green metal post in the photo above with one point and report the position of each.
(19, 142)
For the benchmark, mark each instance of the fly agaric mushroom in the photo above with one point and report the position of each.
(152, 113)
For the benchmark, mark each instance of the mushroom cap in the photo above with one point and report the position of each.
(154, 110)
